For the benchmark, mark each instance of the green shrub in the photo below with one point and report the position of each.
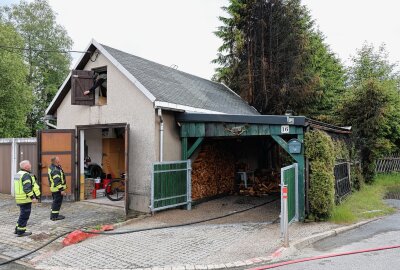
(319, 147)
(322, 190)
(321, 153)
(356, 178)
(341, 150)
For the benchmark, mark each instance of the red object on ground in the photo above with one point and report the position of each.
(78, 235)
(107, 228)
(94, 194)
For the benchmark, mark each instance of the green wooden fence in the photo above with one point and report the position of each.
(289, 177)
(170, 185)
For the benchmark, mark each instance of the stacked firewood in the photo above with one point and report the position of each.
(259, 187)
(213, 171)
(261, 184)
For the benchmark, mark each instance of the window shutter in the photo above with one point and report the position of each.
(81, 81)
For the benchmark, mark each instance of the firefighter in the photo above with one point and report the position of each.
(26, 191)
(58, 187)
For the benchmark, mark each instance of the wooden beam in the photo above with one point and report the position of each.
(184, 148)
(194, 146)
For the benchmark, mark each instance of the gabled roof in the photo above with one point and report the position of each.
(165, 86)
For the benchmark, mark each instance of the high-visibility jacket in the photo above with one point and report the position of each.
(57, 180)
(25, 187)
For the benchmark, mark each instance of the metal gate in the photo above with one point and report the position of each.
(5, 168)
(12, 152)
(289, 177)
(171, 185)
(342, 181)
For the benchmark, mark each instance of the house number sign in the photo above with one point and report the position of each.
(284, 129)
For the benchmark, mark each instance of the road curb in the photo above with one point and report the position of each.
(302, 243)
(130, 221)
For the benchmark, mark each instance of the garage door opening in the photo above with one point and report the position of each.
(103, 159)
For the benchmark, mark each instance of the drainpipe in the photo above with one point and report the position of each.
(50, 124)
(159, 112)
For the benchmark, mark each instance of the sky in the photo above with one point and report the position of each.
(180, 32)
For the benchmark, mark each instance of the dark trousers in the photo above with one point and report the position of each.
(24, 213)
(57, 201)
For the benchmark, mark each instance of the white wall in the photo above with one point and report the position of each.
(94, 142)
(125, 104)
(172, 141)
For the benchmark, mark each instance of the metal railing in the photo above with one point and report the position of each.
(342, 181)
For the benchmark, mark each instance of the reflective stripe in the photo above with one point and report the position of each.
(26, 181)
(53, 186)
(21, 228)
(55, 212)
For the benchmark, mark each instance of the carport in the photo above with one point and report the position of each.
(286, 131)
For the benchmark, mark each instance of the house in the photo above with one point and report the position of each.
(140, 94)
(146, 113)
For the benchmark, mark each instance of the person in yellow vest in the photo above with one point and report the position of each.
(26, 191)
(58, 187)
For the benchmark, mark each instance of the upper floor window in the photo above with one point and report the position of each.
(89, 87)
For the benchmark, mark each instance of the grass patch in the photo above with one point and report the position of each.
(368, 202)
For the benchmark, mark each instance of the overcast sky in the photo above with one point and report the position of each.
(180, 32)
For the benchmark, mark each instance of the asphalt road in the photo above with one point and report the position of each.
(380, 233)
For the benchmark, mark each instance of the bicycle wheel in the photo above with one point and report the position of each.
(115, 190)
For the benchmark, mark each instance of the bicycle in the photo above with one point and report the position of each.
(115, 190)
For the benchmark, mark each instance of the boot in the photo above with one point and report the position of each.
(59, 217)
(24, 234)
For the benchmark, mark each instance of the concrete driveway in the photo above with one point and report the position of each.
(235, 241)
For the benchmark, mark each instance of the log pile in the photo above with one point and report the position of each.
(259, 187)
(263, 183)
(213, 171)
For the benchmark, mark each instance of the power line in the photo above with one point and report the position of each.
(39, 50)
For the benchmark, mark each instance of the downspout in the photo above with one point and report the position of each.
(50, 124)
(159, 112)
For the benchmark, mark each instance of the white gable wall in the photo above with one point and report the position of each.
(125, 104)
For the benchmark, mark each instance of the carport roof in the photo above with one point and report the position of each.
(260, 119)
(248, 119)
